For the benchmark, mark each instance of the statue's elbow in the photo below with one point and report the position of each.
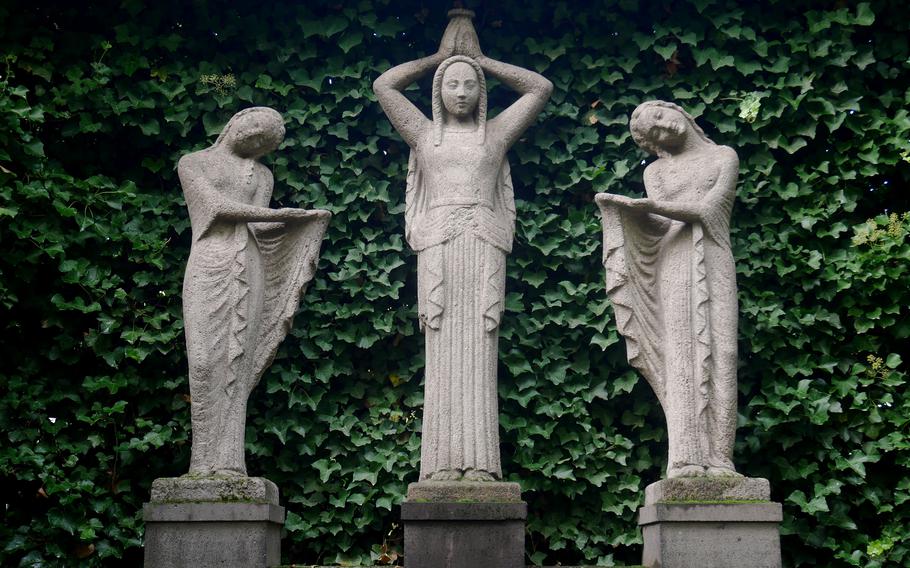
(379, 85)
(546, 88)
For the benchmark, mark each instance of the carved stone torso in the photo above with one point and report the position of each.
(460, 168)
(687, 177)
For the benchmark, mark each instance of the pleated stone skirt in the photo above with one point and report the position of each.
(460, 417)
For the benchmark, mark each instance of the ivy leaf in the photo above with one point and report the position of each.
(666, 51)
(864, 14)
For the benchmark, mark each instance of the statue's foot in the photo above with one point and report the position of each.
(686, 471)
(478, 475)
(723, 472)
(446, 475)
(230, 472)
(198, 472)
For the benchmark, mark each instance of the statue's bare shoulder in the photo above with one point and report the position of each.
(728, 156)
(193, 163)
(651, 171)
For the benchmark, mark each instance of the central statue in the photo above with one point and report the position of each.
(460, 219)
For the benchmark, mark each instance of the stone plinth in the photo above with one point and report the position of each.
(710, 523)
(708, 489)
(464, 525)
(223, 521)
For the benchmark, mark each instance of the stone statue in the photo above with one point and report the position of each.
(248, 267)
(672, 282)
(460, 219)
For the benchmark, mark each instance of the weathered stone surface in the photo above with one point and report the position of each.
(416, 511)
(460, 219)
(464, 491)
(248, 267)
(220, 488)
(464, 535)
(708, 489)
(212, 535)
(711, 536)
(672, 282)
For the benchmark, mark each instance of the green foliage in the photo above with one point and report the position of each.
(98, 103)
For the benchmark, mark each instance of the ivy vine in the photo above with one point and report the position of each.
(98, 102)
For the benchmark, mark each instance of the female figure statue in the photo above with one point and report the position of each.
(460, 219)
(671, 278)
(248, 267)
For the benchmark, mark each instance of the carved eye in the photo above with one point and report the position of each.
(657, 115)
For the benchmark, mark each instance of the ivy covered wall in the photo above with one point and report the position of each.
(98, 101)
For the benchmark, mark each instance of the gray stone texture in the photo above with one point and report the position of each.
(708, 489)
(672, 282)
(248, 267)
(464, 491)
(711, 535)
(217, 488)
(460, 219)
(223, 520)
(464, 535)
(461, 524)
(210, 535)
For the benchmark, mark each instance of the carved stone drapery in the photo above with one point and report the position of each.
(672, 282)
(247, 269)
(460, 218)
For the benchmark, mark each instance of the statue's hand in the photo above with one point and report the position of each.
(466, 42)
(460, 38)
(639, 204)
(623, 201)
(605, 198)
(447, 44)
(293, 214)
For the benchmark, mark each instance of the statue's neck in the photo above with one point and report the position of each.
(690, 144)
(459, 123)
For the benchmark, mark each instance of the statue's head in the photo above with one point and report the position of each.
(459, 89)
(253, 132)
(662, 128)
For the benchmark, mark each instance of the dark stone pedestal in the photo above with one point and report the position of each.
(464, 525)
(201, 523)
(710, 533)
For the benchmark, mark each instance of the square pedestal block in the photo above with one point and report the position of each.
(182, 533)
(686, 535)
(464, 525)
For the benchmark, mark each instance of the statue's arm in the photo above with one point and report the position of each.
(713, 210)
(407, 119)
(535, 90)
(264, 192)
(212, 206)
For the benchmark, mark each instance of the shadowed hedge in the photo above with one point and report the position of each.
(98, 102)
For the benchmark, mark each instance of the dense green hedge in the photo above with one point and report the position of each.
(98, 102)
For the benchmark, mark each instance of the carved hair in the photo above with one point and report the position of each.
(480, 113)
(236, 118)
(641, 134)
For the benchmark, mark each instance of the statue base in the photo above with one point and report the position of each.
(710, 522)
(202, 522)
(459, 524)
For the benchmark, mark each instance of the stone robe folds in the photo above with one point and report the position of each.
(241, 289)
(461, 242)
(675, 317)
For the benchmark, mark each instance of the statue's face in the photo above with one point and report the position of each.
(257, 134)
(460, 89)
(665, 127)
